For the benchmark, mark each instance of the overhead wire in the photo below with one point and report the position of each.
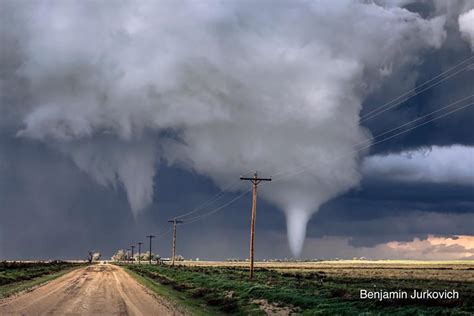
(212, 199)
(207, 202)
(212, 212)
(164, 233)
(415, 91)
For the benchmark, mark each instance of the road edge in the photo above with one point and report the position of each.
(170, 296)
(30, 285)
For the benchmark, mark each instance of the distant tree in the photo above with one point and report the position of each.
(146, 256)
(120, 255)
(143, 256)
(232, 260)
(93, 256)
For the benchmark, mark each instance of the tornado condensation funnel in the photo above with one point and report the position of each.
(296, 221)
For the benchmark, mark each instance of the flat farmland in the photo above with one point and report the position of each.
(461, 270)
(315, 288)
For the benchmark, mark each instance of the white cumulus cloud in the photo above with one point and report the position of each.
(450, 164)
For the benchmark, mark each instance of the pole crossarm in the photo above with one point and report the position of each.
(175, 221)
(255, 180)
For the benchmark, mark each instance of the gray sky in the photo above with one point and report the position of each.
(115, 118)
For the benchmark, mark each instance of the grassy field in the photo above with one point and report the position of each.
(460, 270)
(18, 276)
(319, 288)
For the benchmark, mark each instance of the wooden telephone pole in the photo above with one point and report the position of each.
(139, 251)
(151, 237)
(255, 181)
(174, 221)
(133, 247)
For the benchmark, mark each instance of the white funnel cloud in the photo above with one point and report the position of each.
(131, 164)
(272, 86)
(296, 229)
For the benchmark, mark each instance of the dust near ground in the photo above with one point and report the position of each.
(102, 289)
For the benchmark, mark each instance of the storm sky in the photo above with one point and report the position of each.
(116, 118)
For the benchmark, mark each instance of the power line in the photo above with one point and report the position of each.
(421, 124)
(164, 233)
(212, 212)
(417, 119)
(369, 117)
(210, 200)
(387, 106)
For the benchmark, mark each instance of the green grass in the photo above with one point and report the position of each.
(193, 306)
(229, 290)
(20, 276)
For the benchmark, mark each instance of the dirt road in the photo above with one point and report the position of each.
(102, 289)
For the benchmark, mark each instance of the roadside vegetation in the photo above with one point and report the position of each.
(18, 276)
(310, 292)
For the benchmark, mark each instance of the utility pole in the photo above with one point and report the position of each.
(139, 251)
(151, 237)
(133, 247)
(174, 221)
(255, 181)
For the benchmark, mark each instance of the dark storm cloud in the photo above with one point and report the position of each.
(453, 129)
(50, 209)
(60, 200)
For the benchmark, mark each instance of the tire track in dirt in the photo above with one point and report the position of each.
(101, 289)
